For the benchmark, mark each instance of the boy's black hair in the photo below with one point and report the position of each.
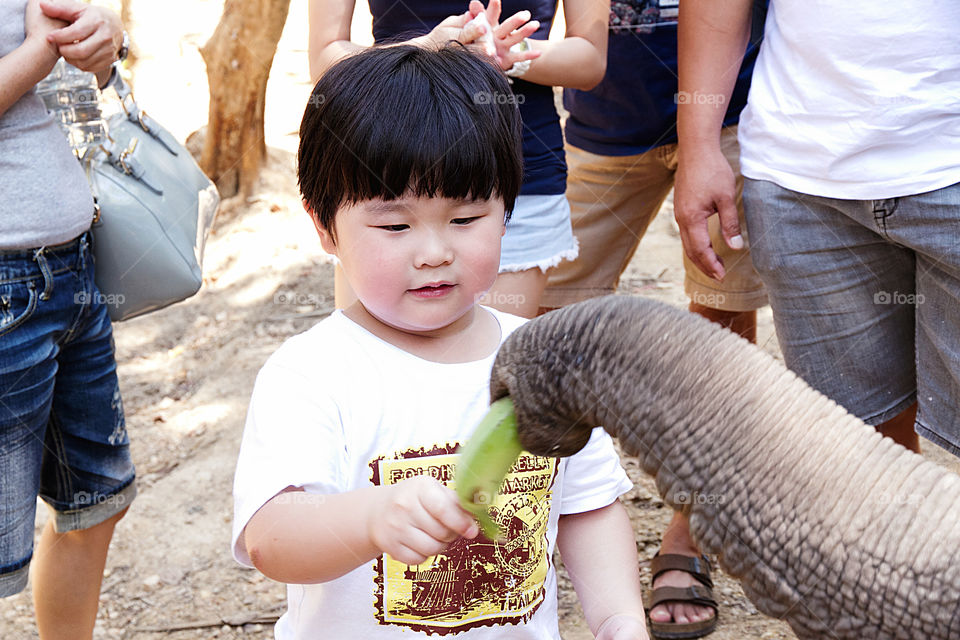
(399, 120)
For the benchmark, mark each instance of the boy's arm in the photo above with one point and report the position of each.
(600, 554)
(305, 538)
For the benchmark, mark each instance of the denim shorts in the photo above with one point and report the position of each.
(62, 430)
(866, 298)
(539, 235)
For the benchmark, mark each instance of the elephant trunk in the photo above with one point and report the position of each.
(828, 525)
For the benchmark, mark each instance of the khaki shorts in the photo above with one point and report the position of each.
(613, 199)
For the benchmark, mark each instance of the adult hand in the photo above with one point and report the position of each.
(417, 519)
(93, 38)
(511, 31)
(38, 26)
(623, 626)
(464, 28)
(704, 186)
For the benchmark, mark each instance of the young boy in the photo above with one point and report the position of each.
(408, 161)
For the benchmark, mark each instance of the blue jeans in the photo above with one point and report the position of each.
(866, 299)
(62, 430)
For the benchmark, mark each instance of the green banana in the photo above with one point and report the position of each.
(484, 462)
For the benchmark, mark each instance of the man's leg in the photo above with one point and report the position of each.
(67, 572)
(901, 429)
(612, 202)
(742, 323)
(741, 289)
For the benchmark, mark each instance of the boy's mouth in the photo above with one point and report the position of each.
(433, 290)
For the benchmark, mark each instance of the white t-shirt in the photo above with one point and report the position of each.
(336, 409)
(856, 99)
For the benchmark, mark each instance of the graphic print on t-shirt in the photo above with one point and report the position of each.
(472, 583)
(641, 16)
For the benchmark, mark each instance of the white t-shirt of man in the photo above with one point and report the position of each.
(337, 409)
(856, 99)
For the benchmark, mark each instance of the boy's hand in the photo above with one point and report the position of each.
(623, 626)
(92, 39)
(418, 518)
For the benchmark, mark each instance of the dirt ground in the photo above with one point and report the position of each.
(186, 374)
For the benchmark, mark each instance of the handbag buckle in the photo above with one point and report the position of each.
(126, 153)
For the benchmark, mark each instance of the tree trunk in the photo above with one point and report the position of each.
(238, 57)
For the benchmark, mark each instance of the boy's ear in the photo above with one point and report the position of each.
(326, 238)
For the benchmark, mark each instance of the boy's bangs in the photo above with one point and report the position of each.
(431, 145)
(401, 121)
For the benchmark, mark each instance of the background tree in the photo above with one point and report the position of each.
(239, 55)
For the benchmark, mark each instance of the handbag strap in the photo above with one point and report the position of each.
(137, 115)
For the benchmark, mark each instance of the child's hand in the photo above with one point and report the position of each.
(623, 626)
(417, 518)
(512, 31)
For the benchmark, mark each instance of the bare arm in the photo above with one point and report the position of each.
(329, 34)
(712, 38)
(579, 61)
(600, 553)
(305, 538)
(28, 64)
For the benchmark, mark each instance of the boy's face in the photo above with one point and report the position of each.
(418, 264)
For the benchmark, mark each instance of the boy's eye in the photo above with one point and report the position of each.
(394, 227)
(465, 220)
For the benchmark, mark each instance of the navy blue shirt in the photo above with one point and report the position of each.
(544, 166)
(634, 108)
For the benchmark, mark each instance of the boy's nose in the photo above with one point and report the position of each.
(434, 251)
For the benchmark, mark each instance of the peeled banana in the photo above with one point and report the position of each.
(484, 462)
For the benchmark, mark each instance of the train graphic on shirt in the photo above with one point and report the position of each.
(477, 582)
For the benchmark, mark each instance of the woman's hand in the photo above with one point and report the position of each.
(38, 26)
(512, 31)
(467, 29)
(93, 37)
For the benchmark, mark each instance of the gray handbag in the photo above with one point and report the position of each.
(154, 209)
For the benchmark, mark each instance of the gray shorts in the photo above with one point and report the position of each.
(866, 298)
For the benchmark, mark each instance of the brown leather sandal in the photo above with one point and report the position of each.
(701, 594)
